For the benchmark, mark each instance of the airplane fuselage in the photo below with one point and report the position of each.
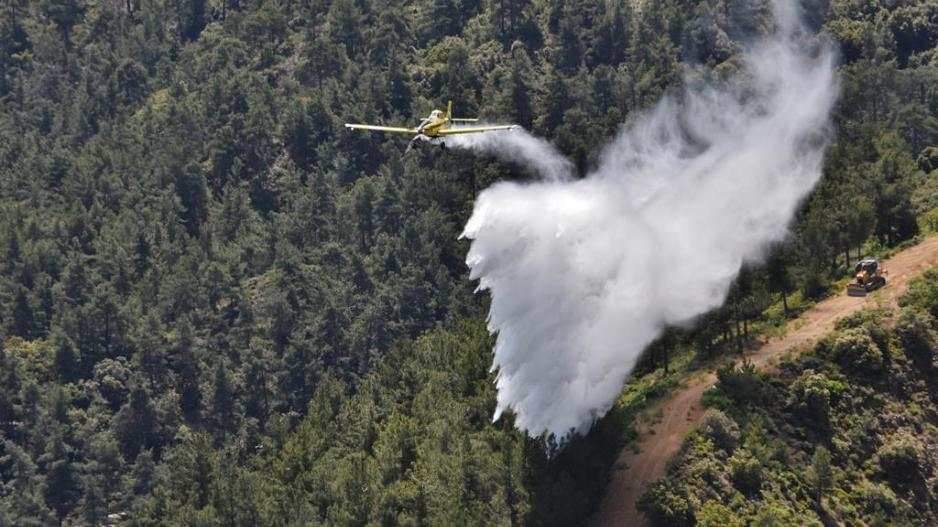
(431, 126)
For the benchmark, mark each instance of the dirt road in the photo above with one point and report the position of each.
(682, 410)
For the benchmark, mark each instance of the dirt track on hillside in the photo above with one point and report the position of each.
(681, 411)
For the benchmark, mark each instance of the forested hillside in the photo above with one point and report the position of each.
(219, 307)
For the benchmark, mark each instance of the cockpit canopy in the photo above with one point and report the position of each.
(436, 114)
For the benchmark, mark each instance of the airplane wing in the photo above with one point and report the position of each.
(464, 120)
(475, 129)
(392, 129)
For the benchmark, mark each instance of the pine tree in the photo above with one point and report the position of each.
(820, 476)
(192, 18)
(23, 487)
(62, 488)
(223, 400)
(187, 373)
(23, 320)
(136, 425)
(779, 274)
(65, 14)
(101, 478)
(258, 399)
(66, 358)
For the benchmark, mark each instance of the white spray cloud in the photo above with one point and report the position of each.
(520, 147)
(584, 274)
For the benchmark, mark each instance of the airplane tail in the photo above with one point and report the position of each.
(449, 115)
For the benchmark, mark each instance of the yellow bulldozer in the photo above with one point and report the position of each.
(868, 276)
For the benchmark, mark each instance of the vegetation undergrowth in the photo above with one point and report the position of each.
(846, 433)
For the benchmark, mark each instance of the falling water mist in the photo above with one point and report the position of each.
(520, 147)
(585, 273)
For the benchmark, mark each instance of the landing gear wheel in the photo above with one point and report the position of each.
(443, 146)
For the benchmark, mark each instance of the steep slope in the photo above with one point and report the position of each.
(682, 411)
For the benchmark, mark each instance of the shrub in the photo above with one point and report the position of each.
(721, 429)
(666, 504)
(715, 514)
(875, 498)
(743, 384)
(917, 338)
(861, 318)
(775, 514)
(871, 321)
(929, 221)
(811, 397)
(923, 293)
(824, 349)
(854, 350)
(714, 398)
(746, 472)
(901, 459)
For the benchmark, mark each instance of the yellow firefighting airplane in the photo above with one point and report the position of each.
(435, 127)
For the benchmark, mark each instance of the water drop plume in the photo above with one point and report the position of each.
(585, 273)
(520, 147)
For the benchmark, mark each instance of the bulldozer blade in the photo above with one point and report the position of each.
(856, 290)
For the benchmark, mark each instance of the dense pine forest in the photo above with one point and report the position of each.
(218, 307)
